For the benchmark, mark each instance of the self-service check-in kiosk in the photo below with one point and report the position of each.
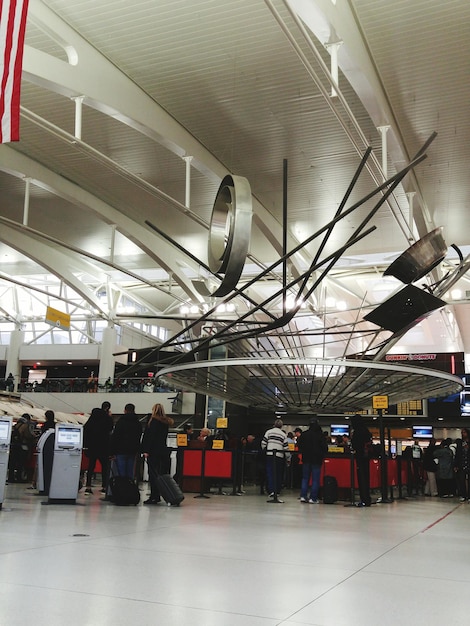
(45, 458)
(5, 438)
(65, 478)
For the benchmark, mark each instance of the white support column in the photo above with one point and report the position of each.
(78, 115)
(410, 195)
(107, 360)
(187, 199)
(383, 130)
(27, 193)
(333, 50)
(13, 355)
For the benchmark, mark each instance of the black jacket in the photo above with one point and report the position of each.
(125, 438)
(312, 445)
(361, 441)
(154, 439)
(97, 430)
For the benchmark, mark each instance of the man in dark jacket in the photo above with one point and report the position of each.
(312, 446)
(361, 441)
(125, 441)
(96, 434)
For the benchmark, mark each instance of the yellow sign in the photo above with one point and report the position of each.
(181, 440)
(291, 447)
(221, 422)
(57, 318)
(218, 444)
(336, 449)
(380, 402)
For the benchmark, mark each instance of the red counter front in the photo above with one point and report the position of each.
(207, 463)
(340, 468)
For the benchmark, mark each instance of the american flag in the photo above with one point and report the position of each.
(12, 31)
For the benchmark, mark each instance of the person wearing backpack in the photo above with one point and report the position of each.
(23, 439)
(124, 445)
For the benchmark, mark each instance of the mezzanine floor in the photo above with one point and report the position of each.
(233, 561)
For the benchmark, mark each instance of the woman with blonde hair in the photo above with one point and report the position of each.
(155, 449)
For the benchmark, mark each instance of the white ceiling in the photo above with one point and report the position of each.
(239, 86)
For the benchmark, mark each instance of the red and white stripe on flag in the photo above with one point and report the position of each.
(12, 31)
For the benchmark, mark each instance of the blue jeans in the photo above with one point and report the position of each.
(125, 464)
(309, 469)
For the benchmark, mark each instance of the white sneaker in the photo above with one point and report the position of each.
(303, 499)
(313, 501)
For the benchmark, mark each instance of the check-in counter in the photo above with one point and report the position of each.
(343, 468)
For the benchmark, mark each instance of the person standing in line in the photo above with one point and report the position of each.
(23, 440)
(414, 469)
(445, 469)
(430, 467)
(361, 440)
(96, 433)
(462, 465)
(155, 449)
(124, 444)
(313, 448)
(277, 454)
(50, 421)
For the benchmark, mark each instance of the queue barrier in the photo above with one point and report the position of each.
(203, 464)
(198, 465)
(343, 469)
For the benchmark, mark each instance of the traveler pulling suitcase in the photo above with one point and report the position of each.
(124, 490)
(330, 490)
(168, 487)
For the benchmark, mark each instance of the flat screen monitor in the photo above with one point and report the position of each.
(5, 428)
(422, 432)
(67, 437)
(339, 429)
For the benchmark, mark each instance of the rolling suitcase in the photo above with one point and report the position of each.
(330, 490)
(124, 490)
(169, 490)
(168, 487)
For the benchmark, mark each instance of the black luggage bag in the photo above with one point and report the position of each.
(330, 490)
(169, 490)
(124, 490)
(168, 487)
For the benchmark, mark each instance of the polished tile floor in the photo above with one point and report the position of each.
(233, 561)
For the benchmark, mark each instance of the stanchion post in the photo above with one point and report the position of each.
(352, 478)
(389, 437)
(203, 468)
(235, 463)
(400, 484)
(383, 464)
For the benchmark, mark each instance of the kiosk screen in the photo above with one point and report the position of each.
(67, 437)
(4, 431)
